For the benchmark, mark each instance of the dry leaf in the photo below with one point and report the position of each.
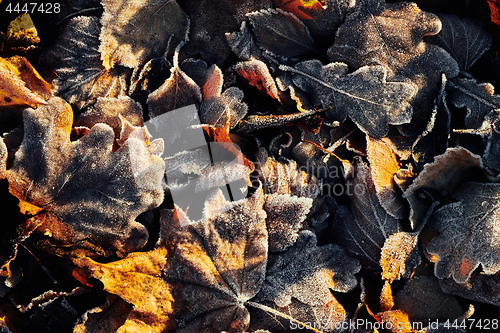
(78, 187)
(135, 31)
(224, 110)
(75, 58)
(370, 101)
(399, 256)
(469, 233)
(22, 30)
(364, 226)
(138, 280)
(20, 83)
(257, 74)
(384, 165)
(106, 318)
(281, 33)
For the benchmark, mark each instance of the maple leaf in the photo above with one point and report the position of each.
(20, 83)
(77, 187)
(364, 226)
(76, 59)
(469, 232)
(135, 31)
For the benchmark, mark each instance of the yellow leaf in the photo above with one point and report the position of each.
(22, 29)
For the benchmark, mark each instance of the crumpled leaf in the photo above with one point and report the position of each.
(469, 232)
(365, 95)
(78, 187)
(423, 300)
(281, 33)
(364, 226)
(399, 256)
(138, 280)
(446, 172)
(76, 59)
(384, 165)
(478, 98)
(135, 31)
(465, 39)
(307, 272)
(20, 83)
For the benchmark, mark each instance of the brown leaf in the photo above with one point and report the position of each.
(106, 318)
(137, 279)
(20, 83)
(384, 165)
(135, 31)
(397, 258)
(257, 74)
(78, 187)
(76, 60)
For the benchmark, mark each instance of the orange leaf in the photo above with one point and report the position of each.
(297, 7)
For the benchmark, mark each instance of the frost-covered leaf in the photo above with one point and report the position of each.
(469, 232)
(108, 111)
(480, 288)
(226, 109)
(77, 188)
(285, 217)
(363, 226)
(22, 30)
(76, 59)
(384, 165)
(213, 82)
(20, 83)
(379, 33)
(399, 256)
(423, 300)
(106, 318)
(478, 98)
(465, 39)
(365, 95)
(281, 33)
(178, 91)
(137, 279)
(446, 172)
(243, 43)
(257, 74)
(210, 22)
(307, 272)
(135, 31)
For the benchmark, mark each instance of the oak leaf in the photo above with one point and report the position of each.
(365, 95)
(78, 187)
(469, 232)
(135, 31)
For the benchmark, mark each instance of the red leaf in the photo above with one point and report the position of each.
(297, 7)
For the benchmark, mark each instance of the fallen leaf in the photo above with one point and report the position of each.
(468, 233)
(22, 30)
(466, 39)
(76, 59)
(20, 83)
(370, 101)
(178, 91)
(384, 165)
(106, 318)
(55, 177)
(138, 280)
(399, 256)
(135, 31)
(281, 33)
(213, 83)
(446, 172)
(307, 272)
(480, 288)
(364, 226)
(299, 7)
(257, 74)
(423, 301)
(227, 109)
(478, 98)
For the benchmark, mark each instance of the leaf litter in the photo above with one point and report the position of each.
(265, 166)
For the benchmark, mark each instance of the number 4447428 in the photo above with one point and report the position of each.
(33, 7)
